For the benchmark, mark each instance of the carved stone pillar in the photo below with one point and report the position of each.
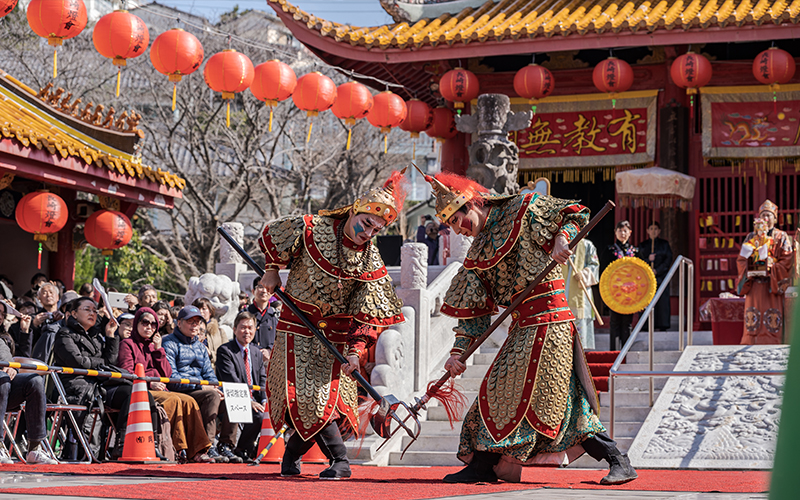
(414, 266)
(230, 262)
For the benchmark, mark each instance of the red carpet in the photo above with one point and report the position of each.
(600, 363)
(239, 482)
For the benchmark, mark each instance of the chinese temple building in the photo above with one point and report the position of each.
(738, 138)
(48, 141)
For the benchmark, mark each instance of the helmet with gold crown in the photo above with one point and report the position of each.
(770, 207)
(453, 192)
(385, 202)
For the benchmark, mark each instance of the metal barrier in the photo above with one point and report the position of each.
(685, 269)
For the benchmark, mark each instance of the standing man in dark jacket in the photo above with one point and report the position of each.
(188, 358)
(266, 319)
(658, 254)
(240, 361)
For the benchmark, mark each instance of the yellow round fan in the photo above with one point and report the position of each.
(627, 285)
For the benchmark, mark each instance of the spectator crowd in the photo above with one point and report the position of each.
(68, 328)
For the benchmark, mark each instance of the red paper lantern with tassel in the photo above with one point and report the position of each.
(120, 36)
(774, 67)
(228, 72)
(691, 71)
(176, 53)
(314, 93)
(273, 81)
(613, 76)
(534, 82)
(6, 6)
(418, 119)
(444, 125)
(388, 112)
(57, 20)
(108, 230)
(41, 213)
(353, 101)
(459, 86)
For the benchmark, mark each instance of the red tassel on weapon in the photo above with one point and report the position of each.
(453, 401)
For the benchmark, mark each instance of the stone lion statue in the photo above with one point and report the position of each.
(223, 294)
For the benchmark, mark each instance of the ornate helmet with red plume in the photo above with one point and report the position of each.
(385, 202)
(453, 192)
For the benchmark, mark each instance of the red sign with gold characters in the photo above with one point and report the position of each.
(584, 133)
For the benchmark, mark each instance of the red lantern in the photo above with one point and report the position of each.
(315, 92)
(773, 67)
(444, 125)
(613, 76)
(56, 20)
(273, 81)
(41, 213)
(459, 86)
(534, 82)
(418, 119)
(6, 6)
(176, 53)
(120, 36)
(353, 101)
(108, 230)
(228, 72)
(389, 111)
(691, 71)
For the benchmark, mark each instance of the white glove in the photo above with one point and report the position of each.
(588, 277)
(763, 252)
(747, 251)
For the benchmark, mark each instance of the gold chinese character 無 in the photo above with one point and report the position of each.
(538, 137)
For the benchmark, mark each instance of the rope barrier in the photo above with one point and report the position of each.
(41, 367)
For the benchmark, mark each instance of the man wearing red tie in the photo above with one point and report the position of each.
(239, 361)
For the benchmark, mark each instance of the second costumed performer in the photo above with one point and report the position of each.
(339, 281)
(532, 407)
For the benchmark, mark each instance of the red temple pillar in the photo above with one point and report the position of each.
(62, 262)
(455, 157)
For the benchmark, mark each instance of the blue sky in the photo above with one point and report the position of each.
(355, 12)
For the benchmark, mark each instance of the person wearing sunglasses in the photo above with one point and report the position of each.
(78, 346)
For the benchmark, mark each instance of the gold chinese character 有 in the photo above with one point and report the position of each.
(627, 129)
(538, 138)
(584, 135)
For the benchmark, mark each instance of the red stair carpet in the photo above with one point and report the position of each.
(600, 363)
(241, 482)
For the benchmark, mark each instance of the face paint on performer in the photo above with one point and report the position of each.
(467, 224)
(362, 227)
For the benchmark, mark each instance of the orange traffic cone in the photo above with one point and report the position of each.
(139, 442)
(315, 456)
(275, 454)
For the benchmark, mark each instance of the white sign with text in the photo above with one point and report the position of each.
(237, 402)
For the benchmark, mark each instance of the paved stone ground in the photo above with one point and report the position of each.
(20, 480)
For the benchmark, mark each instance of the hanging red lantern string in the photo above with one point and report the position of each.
(273, 81)
(418, 119)
(534, 82)
(314, 93)
(353, 101)
(108, 230)
(691, 71)
(774, 67)
(41, 213)
(176, 53)
(56, 20)
(389, 111)
(120, 36)
(6, 6)
(228, 72)
(459, 86)
(613, 76)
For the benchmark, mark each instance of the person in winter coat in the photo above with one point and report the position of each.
(144, 346)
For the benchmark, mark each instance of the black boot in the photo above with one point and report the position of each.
(479, 470)
(295, 449)
(119, 444)
(620, 469)
(331, 443)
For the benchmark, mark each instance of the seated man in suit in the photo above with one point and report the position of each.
(240, 361)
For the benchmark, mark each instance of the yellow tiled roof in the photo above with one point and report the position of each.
(518, 19)
(34, 128)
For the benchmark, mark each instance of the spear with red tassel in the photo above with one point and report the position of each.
(443, 390)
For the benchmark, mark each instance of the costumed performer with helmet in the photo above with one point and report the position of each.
(534, 406)
(339, 281)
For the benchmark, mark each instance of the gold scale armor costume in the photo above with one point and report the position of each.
(532, 401)
(345, 298)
